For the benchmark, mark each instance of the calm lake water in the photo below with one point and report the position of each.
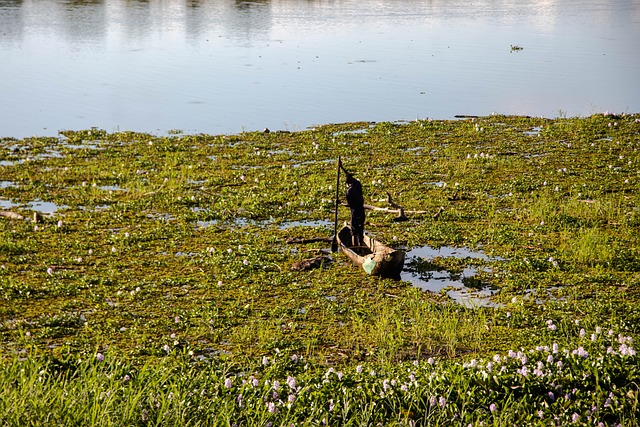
(228, 66)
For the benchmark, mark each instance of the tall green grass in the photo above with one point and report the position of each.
(577, 377)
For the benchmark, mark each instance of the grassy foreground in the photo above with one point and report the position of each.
(157, 289)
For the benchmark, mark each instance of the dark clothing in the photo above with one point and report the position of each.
(355, 201)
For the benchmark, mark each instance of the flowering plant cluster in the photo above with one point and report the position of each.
(591, 380)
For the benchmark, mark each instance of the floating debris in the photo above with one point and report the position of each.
(311, 263)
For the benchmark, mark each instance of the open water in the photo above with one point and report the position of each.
(224, 66)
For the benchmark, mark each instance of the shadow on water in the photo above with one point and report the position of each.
(464, 287)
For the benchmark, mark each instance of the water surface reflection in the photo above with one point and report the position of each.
(228, 66)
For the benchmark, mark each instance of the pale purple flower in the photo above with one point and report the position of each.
(99, 357)
(575, 417)
(580, 352)
(582, 332)
(291, 382)
(331, 405)
(292, 398)
(493, 407)
(294, 358)
(385, 385)
(431, 361)
(359, 369)
(166, 348)
(551, 395)
(255, 382)
(127, 378)
(271, 407)
(524, 371)
(240, 400)
(433, 401)
(228, 383)
(550, 358)
(442, 401)
(404, 388)
(50, 271)
(276, 385)
(626, 350)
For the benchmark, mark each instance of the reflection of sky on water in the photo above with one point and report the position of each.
(438, 279)
(37, 205)
(221, 67)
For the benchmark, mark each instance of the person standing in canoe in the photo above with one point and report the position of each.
(355, 202)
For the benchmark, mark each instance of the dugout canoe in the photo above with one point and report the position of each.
(374, 257)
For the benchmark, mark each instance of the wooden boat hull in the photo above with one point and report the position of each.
(374, 258)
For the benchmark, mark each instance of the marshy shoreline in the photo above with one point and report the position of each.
(157, 271)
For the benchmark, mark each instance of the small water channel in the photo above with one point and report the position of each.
(464, 286)
(46, 208)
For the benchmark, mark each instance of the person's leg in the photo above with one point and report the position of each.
(353, 223)
(357, 227)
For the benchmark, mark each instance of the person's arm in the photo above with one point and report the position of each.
(342, 167)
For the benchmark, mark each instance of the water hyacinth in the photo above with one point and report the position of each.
(431, 391)
(581, 266)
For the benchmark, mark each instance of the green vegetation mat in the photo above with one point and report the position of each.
(153, 285)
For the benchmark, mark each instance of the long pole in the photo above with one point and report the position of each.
(334, 243)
